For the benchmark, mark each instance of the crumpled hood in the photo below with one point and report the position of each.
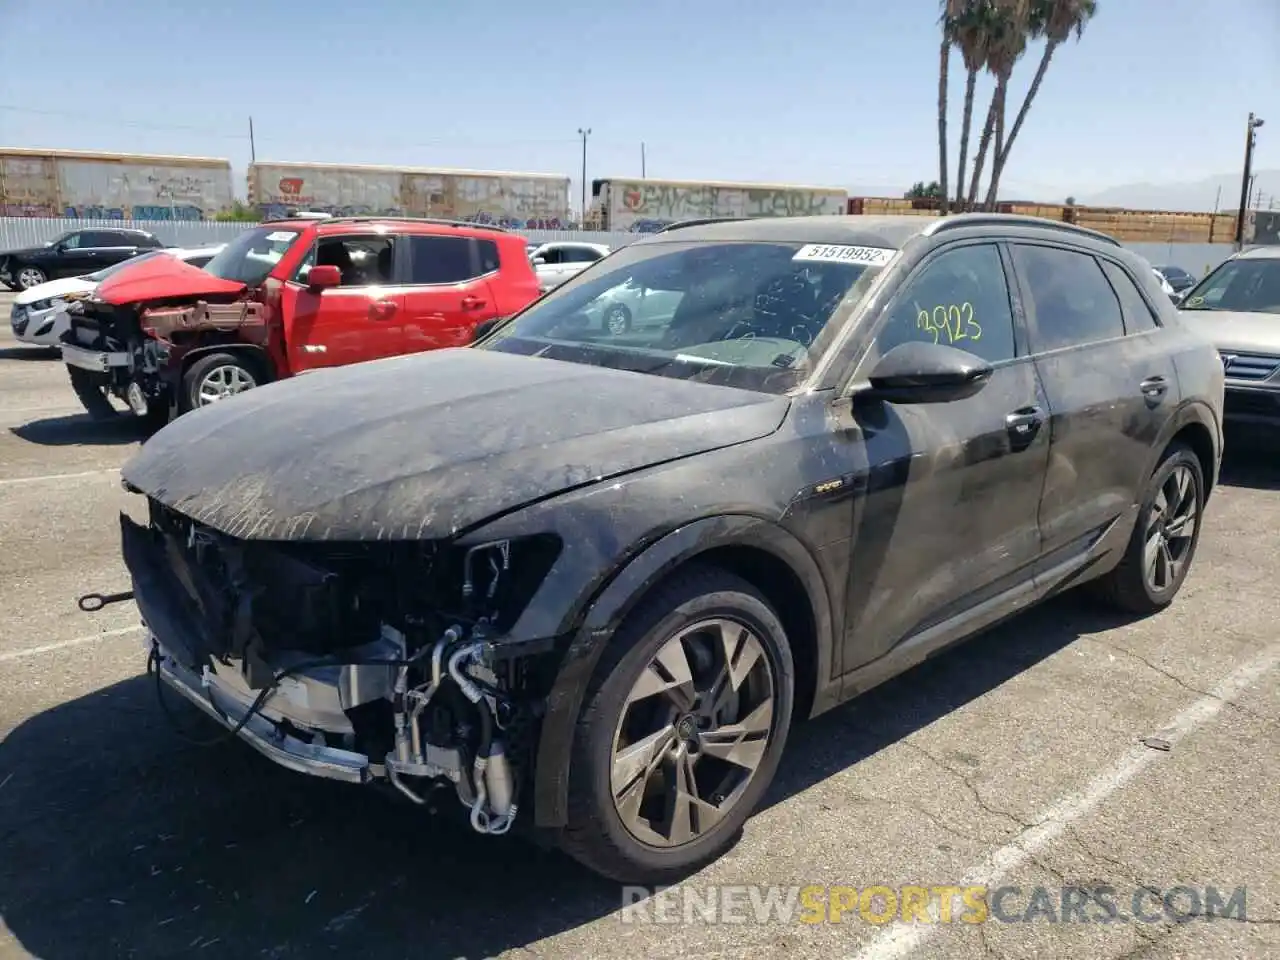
(1240, 332)
(423, 446)
(161, 278)
(54, 288)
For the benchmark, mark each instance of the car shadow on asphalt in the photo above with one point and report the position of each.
(30, 353)
(120, 839)
(81, 430)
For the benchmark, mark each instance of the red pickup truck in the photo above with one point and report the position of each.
(289, 297)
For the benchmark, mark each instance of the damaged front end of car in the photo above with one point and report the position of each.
(374, 662)
(136, 351)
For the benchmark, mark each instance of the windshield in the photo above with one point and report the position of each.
(250, 257)
(100, 275)
(1246, 285)
(751, 315)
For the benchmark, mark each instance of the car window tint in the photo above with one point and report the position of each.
(582, 255)
(73, 241)
(550, 256)
(1138, 316)
(361, 261)
(440, 260)
(1248, 285)
(959, 298)
(99, 238)
(1070, 298)
(489, 259)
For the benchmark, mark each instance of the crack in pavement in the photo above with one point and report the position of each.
(972, 788)
(929, 815)
(1111, 645)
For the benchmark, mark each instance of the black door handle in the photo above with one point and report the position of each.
(1154, 389)
(1023, 425)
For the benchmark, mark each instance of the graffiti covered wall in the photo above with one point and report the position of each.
(524, 202)
(645, 206)
(109, 189)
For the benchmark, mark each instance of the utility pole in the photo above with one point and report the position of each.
(253, 153)
(1250, 141)
(641, 159)
(584, 134)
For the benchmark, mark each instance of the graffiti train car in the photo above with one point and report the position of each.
(532, 201)
(111, 186)
(646, 206)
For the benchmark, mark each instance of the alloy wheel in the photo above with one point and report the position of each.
(29, 277)
(222, 382)
(694, 729)
(1171, 528)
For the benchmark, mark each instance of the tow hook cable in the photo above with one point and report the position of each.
(92, 602)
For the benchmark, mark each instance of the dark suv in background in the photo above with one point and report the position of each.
(589, 577)
(72, 255)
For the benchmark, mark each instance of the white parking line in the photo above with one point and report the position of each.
(63, 644)
(57, 476)
(900, 939)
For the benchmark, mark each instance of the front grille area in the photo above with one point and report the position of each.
(1241, 404)
(1249, 366)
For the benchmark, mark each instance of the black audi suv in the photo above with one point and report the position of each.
(586, 578)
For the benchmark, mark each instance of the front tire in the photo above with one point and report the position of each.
(217, 376)
(1164, 539)
(681, 731)
(91, 394)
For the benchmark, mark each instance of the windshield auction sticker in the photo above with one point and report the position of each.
(845, 253)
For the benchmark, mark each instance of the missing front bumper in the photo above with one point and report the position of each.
(264, 735)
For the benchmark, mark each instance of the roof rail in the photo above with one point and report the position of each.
(960, 220)
(438, 221)
(698, 222)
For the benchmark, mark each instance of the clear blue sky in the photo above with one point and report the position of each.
(838, 92)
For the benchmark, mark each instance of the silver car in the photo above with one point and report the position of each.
(1237, 308)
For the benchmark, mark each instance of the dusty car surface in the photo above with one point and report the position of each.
(1237, 308)
(853, 442)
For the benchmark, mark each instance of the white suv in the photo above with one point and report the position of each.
(557, 261)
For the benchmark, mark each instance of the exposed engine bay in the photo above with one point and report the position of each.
(366, 662)
(135, 351)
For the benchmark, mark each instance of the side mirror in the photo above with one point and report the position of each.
(919, 372)
(539, 261)
(1178, 296)
(323, 276)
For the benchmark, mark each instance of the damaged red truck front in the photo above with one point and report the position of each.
(285, 298)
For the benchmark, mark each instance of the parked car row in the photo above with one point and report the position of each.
(584, 558)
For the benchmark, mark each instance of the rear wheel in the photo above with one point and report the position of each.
(217, 376)
(617, 319)
(682, 730)
(1164, 539)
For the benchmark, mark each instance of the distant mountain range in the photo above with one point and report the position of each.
(1187, 196)
(1195, 195)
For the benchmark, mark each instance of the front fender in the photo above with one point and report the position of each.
(605, 609)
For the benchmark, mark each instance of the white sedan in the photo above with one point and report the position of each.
(39, 314)
(557, 261)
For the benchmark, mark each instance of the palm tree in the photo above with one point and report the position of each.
(968, 21)
(944, 69)
(1056, 21)
(1006, 43)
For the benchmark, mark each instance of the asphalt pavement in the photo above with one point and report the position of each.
(1015, 763)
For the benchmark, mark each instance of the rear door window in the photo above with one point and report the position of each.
(489, 259)
(436, 260)
(1138, 315)
(1071, 302)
